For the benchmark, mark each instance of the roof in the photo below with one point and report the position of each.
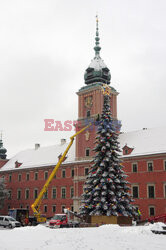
(43, 156)
(97, 63)
(143, 142)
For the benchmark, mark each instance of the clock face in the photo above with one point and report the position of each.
(88, 101)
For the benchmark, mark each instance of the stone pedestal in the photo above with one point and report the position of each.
(100, 220)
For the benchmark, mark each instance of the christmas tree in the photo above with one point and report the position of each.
(106, 191)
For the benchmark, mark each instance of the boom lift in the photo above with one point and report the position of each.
(36, 205)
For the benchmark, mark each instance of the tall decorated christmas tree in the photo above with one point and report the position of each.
(106, 190)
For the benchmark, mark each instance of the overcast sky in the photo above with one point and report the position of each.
(45, 47)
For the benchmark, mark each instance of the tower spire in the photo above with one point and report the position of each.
(97, 48)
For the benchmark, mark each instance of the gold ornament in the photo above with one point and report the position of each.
(106, 89)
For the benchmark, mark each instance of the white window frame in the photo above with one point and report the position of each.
(36, 174)
(19, 190)
(164, 187)
(64, 171)
(86, 151)
(10, 177)
(149, 210)
(19, 177)
(134, 163)
(36, 189)
(71, 192)
(62, 208)
(164, 165)
(135, 185)
(53, 206)
(148, 185)
(45, 172)
(27, 174)
(27, 189)
(54, 188)
(63, 188)
(45, 207)
(148, 166)
(85, 171)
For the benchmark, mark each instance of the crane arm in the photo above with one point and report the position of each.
(36, 205)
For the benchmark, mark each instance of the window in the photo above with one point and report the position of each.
(19, 177)
(18, 194)
(164, 190)
(88, 113)
(55, 176)
(86, 171)
(10, 194)
(71, 192)
(21, 206)
(63, 193)
(150, 166)
(87, 152)
(36, 176)
(135, 191)
(72, 208)
(151, 211)
(27, 176)
(63, 207)
(26, 194)
(63, 173)
(27, 207)
(45, 196)
(35, 193)
(46, 175)
(54, 193)
(165, 165)
(135, 167)
(72, 172)
(54, 208)
(10, 178)
(151, 191)
(45, 208)
(126, 151)
(8, 207)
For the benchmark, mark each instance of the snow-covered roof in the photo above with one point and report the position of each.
(97, 63)
(43, 156)
(145, 141)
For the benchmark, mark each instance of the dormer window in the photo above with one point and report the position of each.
(127, 150)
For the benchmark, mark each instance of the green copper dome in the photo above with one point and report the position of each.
(97, 70)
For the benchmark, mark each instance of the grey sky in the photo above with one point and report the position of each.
(45, 47)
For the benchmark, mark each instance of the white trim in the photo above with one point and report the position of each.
(135, 185)
(63, 188)
(151, 206)
(148, 185)
(152, 166)
(134, 163)
(164, 187)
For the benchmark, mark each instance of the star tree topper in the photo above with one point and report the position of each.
(106, 90)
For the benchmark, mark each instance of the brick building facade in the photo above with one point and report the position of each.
(144, 158)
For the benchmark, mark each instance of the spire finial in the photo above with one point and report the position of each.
(97, 48)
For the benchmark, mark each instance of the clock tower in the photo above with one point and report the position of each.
(90, 101)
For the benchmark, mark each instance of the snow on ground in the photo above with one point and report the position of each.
(106, 237)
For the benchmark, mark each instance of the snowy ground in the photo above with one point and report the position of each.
(107, 237)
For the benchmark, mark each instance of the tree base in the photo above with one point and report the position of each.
(100, 220)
